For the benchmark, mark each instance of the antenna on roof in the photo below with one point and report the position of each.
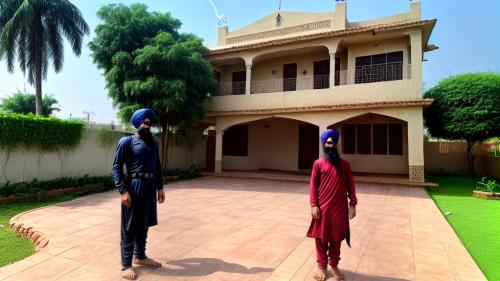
(278, 17)
(222, 19)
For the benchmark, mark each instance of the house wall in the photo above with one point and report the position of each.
(451, 157)
(89, 157)
(275, 147)
(267, 151)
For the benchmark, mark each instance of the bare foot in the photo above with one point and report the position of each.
(129, 274)
(320, 274)
(147, 262)
(337, 274)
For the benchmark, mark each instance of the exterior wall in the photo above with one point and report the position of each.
(294, 23)
(289, 19)
(451, 157)
(277, 151)
(89, 157)
(182, 156)
(492, 166)
(412, 148)
(263, 70)
(391, 164)
(377, 47)
(399, 90)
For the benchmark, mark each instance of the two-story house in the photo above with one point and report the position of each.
(289, 76)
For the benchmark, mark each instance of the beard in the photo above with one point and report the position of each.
(333, 156)
(145, 134)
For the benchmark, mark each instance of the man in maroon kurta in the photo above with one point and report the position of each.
(331, 187)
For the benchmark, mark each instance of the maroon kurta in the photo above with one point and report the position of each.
(335, 186)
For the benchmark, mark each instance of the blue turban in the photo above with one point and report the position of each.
(139, 115)
(330, 133)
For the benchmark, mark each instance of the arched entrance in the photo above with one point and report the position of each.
(271, 143)
(374, 143)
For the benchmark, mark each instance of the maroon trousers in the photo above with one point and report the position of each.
(327, 249)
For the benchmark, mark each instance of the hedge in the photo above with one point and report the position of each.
(46, 133)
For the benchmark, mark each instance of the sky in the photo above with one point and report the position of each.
(466, 33)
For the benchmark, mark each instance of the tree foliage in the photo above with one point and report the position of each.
(24, 103)
(32, 31)
(148, 63)
(466, 107)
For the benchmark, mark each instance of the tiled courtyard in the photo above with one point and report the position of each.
(248, 229)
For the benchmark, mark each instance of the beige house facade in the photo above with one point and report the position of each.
(289, 76)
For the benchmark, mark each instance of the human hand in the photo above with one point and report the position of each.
(352, 212)
(161, 196)
(315, 212)
(126, 199)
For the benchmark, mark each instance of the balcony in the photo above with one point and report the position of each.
(364, 74)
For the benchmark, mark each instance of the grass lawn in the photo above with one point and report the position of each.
(12, 247)
(476, 221)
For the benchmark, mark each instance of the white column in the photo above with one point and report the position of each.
(249, 78)
(332, 70)
(218, 151)
(415, 129)
(416, 62)
(322, 128)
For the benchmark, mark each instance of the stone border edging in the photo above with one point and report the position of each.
(39, 239)
(483, 194)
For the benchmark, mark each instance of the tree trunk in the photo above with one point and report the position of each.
(38, 76)
(38, 87)
(470, 157)
(164, 147)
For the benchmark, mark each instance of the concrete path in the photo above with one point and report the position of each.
(247, 229)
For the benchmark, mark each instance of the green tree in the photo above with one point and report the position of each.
(33, 30)
(148, 63)
(24, 103)
(465, 107)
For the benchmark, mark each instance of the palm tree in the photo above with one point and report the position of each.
(33, 30)
(24, 103)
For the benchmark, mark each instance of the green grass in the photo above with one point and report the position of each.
(476, 221)
(14, 248)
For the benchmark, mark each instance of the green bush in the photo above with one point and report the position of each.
(179, 174)
(37, 188)
(46, 133)
(488, 185)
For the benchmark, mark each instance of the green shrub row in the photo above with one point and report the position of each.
(46, 133)
(36, 187)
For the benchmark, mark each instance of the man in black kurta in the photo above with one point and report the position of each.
(140, 187)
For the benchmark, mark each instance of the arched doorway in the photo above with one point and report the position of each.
(272, 143)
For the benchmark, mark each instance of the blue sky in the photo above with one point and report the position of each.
(467, 33)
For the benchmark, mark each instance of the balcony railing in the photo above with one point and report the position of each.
(365, 74)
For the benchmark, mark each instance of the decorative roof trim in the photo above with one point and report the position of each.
(420, 102)
(321, 35)
(279, 32)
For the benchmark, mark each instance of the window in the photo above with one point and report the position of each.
(321, 74)
(239, 83)
(235, 141)
(349, 139)
(395, 139)
(380, 67)
(364, 139)
(377, 139)
(290, 77)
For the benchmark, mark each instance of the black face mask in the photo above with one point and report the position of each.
(332, 155)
